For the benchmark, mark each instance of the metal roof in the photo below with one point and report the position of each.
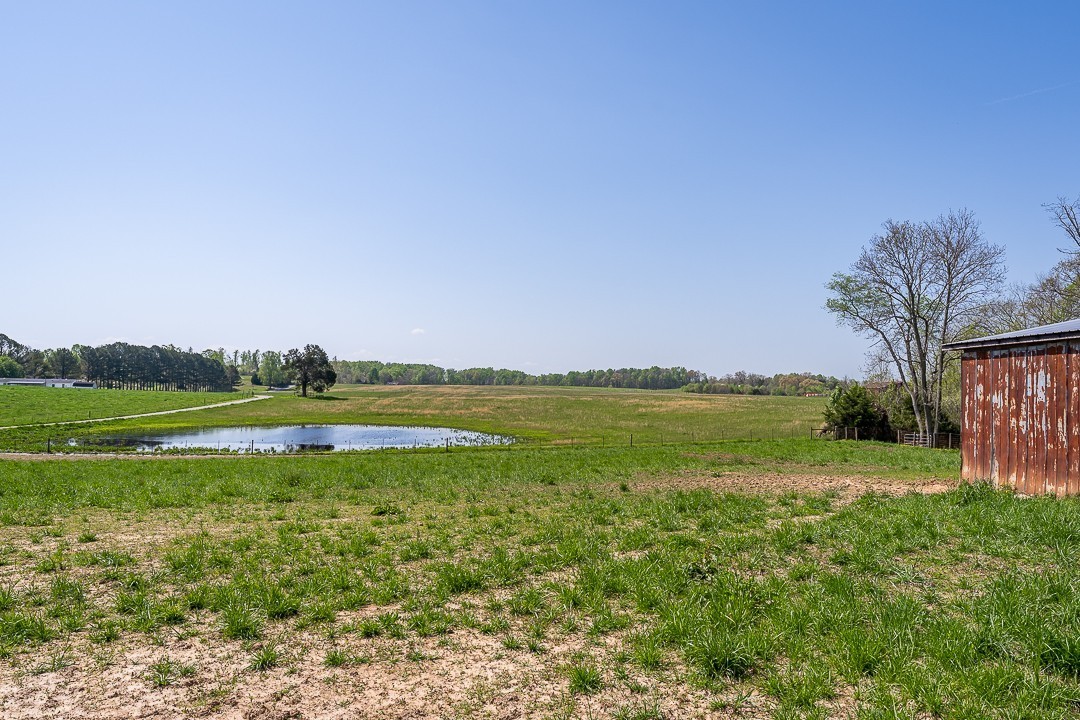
(1045, 333)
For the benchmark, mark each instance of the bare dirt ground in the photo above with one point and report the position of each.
(465, 674)
(847, 487)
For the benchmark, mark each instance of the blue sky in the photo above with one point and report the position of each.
(542, 186)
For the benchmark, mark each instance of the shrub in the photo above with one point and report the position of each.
(856, 408)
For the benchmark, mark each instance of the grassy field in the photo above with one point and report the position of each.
(532, 415)
(785, 578)
(32, 405)
(759, 579)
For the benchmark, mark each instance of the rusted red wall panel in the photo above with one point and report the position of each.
(988, 465)
(1033, 474)
(1020, 412)
(1018, 432)
(967, 415)
(1008, 426)
(1010, 475)
(1072, 418)
(982, 384)
(1027, 424)
(999, 400)
(976, 415)
(1057, 449)
(1003, 447)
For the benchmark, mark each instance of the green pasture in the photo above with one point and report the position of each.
(635, 574)
(35, 491)
(789, 604)
(35, 405)
(533, 415)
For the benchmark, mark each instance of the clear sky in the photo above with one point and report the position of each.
(543, 186)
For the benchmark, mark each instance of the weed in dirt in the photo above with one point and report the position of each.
(337, 657)
(240, 623)
(105, 631)
(58, 660)
(647, 651)
(266, 657)
(642, 711)
(585, 679)
(166, 671)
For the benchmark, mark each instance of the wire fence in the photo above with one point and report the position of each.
(943, 441)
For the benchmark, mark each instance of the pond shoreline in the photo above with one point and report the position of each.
(292, 439)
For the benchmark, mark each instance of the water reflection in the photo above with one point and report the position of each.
(300, 438)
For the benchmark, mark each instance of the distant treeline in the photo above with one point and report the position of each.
(744, 383)
(371, 372)
(135, 367)
(122, 366)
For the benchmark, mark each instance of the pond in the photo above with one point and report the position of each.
(296, 438)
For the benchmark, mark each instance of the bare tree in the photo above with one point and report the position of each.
(913, 288)
(970, 271)
(1066, 216)
(1054, 296)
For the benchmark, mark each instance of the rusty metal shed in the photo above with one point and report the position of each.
(1020, 406)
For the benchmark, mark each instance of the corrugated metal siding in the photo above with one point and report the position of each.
(1021, 417)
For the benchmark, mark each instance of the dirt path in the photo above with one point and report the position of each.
(140, 415)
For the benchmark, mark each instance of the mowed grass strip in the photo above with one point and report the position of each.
(32, 405)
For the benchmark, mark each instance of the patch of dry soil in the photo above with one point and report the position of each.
(464, 675)
(847, 486)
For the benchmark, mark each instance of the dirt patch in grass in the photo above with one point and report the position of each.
(847, 487)
(462, 675)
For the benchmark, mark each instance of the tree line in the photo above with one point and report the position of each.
(122, 366)
(125, 366)
(372, 372)
(744, 383)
